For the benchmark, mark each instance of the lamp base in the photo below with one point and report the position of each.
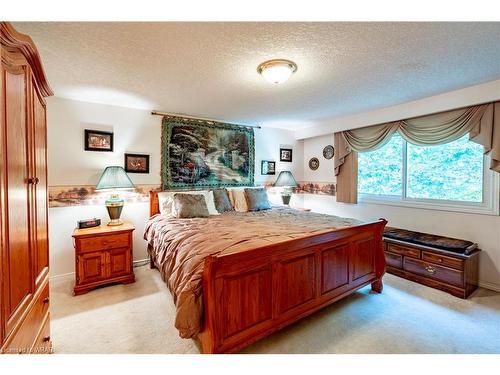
(115, 222)
(286, 199)
(114, 205)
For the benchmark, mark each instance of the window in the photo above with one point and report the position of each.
(452, 174)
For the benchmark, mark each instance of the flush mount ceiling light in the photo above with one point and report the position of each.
(277, 71)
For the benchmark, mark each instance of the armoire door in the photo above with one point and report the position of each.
(41, 253)
(17, 275)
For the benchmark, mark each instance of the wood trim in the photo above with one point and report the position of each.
(14, 40)
(154, 203)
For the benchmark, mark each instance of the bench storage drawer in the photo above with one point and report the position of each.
(443, 260)
(393, 260)
(403, 250)
(444, 274)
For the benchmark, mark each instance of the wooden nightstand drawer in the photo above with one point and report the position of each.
(103, 242)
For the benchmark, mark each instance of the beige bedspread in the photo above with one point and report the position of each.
(179, 247)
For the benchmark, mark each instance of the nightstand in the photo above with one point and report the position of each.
(103, 255)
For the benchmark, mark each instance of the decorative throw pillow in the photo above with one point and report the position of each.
(257, 199)
(221, 199)
(239, 200)
(190, 205)
(209, 200)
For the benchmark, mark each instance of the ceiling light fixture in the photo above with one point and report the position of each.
(277, 71)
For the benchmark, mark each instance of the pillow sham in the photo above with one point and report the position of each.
(190, 205)
(221, 200)
(257, 199)
(166, 201)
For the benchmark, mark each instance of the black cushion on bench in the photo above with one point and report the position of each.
(431, 240)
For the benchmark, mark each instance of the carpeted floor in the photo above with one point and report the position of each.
(405, 318)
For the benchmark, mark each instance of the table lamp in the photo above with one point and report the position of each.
(287, 182)
(114, 178)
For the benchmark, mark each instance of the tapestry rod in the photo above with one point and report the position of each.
(158, 113)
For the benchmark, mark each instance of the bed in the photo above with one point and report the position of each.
(238, 277)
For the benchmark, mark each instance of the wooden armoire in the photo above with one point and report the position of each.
(24, 251)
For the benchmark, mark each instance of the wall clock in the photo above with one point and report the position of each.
(328, 152)
(314, 163)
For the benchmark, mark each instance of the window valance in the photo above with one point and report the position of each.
(481, 122)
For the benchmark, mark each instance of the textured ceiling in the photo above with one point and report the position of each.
(209, 69)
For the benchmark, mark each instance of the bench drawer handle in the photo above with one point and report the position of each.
(431, 270)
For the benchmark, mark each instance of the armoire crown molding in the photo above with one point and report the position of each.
(10, 38)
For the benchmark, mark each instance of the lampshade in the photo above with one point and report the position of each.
(277, 71)
(114, 178)
(285, 178)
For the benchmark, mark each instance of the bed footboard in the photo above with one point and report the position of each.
(249, 295)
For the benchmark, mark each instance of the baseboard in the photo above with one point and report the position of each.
(141, 262)
(136, 263)
(490, 286)
(62, 276)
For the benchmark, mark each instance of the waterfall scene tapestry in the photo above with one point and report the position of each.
(200, 154)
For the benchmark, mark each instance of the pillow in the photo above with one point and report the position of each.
(190, 205)
(239, 200)
(257, 199)
(221, 200)
(166, 201)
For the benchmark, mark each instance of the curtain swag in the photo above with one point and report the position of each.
(481, 122)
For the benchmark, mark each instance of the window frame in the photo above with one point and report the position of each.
(489, 206)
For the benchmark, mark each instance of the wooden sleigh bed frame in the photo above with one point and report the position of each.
(249, 295)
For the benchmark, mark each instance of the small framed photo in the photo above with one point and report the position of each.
(267, 167)
(136, 163)
(286, 154)
(96, 140)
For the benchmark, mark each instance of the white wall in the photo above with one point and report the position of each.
(478, 94)
(134, 131)
(313, 147)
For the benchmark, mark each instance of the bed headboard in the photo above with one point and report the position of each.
(154, 204)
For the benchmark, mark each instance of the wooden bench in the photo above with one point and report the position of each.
(448, 264)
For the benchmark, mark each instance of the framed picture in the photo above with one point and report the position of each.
(136, 163)
(286, 154)
(314, 164)
(96, 140)
(328, 152)
(267, 167)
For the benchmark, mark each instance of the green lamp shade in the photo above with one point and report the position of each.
(285, 179)
(114, 177)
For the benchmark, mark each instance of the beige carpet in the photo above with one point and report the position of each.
(405, 318)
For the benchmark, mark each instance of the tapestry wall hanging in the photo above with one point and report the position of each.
(201, 154)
